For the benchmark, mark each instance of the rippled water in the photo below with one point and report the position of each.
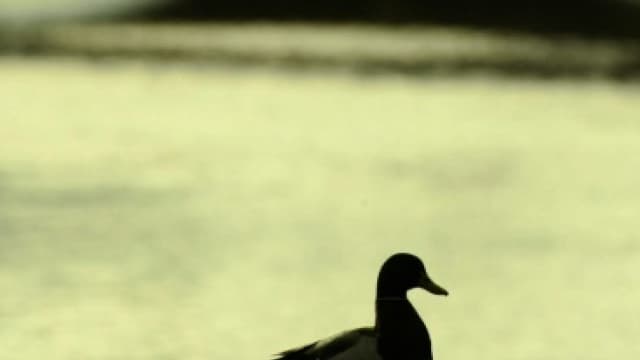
(170, 212)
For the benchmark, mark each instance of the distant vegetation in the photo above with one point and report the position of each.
(599, 18)
(588, 18)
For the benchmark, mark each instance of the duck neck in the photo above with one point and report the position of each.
(394, 309)
(401, 332)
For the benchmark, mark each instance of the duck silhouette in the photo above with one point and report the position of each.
(398, 334)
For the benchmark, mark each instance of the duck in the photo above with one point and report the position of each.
(398, 332)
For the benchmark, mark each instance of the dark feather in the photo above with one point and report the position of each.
(327, 348)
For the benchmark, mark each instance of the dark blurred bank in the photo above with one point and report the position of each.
(541, 39)
(602, 18)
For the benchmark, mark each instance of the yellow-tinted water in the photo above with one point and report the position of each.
(170, 212)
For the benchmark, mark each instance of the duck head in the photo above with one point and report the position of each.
(403, 272)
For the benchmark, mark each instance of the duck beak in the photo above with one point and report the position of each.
(428, 284)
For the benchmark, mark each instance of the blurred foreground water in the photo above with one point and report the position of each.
(184, 212)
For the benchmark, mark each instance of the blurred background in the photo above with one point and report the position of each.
(222, 179)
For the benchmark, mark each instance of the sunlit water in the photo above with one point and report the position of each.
(32, 11)
(184, 213)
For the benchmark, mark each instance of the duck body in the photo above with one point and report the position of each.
(398, 334)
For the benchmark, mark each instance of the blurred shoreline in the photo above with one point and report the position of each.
(362, 49)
